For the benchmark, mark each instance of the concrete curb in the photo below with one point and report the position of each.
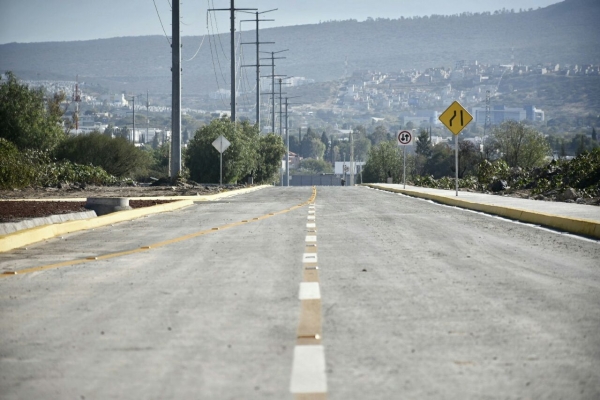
(11, 227)
(38, 234)
(577, 226)
(210, 197)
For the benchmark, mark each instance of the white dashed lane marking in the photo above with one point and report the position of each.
(308, 370)
(309, 291)
(309, 258)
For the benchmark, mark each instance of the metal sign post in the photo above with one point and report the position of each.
(221, 144)
(404, 166)
(456, 163)
(456, 118)
(404, 139)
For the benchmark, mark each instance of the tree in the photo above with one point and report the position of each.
(294, 144)
(468, 158)
(313, 148)
(441, 162)
(159, 167)
(155, 142)
(249, 154)
(324, 138)
(359, 131)
(520, 145)
(122, 133)
(362, 146)
(239, 160)
(25, 118)
(380, 134)
(312, 166)
(582, 143)
(109, 131)
(563, 149)
(384, 161)
(311, 145)
(270, 151)
(424, 146)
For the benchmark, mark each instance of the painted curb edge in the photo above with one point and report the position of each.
(577, 226)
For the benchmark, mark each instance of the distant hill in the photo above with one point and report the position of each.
(565, 33)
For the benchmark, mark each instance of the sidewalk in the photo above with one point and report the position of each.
(570, 217)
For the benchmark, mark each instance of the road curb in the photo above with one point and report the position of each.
(33, 235)
(8, 228)
(579, 226)
(40, 233)
(209, 197)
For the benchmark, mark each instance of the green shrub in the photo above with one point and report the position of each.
(116, 156)
(35, 168)
(15, 170)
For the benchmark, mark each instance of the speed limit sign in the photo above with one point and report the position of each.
(404, 138)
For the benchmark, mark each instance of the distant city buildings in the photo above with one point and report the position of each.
(420, 96)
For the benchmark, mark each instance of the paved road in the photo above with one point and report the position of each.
(413, 300)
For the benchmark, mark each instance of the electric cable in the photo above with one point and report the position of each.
(161, 24)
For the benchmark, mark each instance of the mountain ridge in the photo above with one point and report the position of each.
(564, 33)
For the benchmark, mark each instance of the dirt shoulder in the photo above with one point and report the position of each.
(85, 191)
(13, 211)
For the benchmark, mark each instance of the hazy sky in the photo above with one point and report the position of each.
(66, 20)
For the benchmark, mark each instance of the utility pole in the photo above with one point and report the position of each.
(280, 105)
(487, 124)
(147, 116)
(287, 143)
(133, 122)
(232, 11)
(77, 100)
(175, 161)
(287, 146)
(272, 76)
(258, 43)
(280, 114)
(351, 159)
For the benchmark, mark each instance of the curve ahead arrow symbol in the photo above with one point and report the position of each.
(454, 116)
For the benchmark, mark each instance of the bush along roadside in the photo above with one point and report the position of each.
(30, 168)
(576, 180)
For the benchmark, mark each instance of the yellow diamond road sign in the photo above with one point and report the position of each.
(456, 118)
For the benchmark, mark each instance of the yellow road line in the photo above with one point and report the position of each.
(154, 245)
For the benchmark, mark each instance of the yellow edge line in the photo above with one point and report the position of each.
(577, 226)
(154, 245)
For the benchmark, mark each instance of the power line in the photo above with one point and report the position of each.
(219, 35)
(161, 24)
(212, 57)
(197, 51)
(201, 43)
(216, 53)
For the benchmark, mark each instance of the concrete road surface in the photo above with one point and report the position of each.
(411, 300)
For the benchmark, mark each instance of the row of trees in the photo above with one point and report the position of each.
(35, 150)
(517, 144)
